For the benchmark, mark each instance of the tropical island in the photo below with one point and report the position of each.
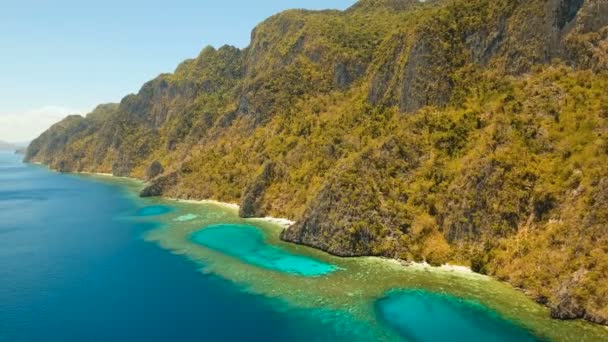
(468, 132)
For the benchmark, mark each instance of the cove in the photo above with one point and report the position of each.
(420, 315)
(247, 244)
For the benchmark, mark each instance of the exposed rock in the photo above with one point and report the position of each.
(486, 43)
(349, 214)
(154, 170)
(595, 317)
(379, 92)
(472, 217)
(50, 144)
(159, 185)
(319, 229)
(566, 304)
(251, 204)
(345, 74)
(426, 80)
(123, 165)
(317, 226)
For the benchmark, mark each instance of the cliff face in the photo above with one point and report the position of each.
(449, 131)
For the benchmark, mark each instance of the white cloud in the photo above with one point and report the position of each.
(27, 125)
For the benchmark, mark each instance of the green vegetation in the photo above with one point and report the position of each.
(471, 132)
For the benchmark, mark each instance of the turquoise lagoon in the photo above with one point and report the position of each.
(247, 244)
(423, 316)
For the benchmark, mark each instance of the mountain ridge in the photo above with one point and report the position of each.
(448, 131)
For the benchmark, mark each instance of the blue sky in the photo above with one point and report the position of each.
(65, 56)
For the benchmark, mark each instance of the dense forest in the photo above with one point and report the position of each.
(472, 132)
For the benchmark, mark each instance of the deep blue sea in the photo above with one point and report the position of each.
(73, 267)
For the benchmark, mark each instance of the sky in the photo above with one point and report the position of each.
(65, 56)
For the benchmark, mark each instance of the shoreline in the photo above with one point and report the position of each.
(280, 221)
(458, 270)
(284, 223)
(101, 174)
(226, 205)
(448, 268)
(98, 174)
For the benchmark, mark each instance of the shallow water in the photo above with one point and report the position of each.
(184, 218)
(454, 319)
(247, 243)
(79, 261)
(154, 210)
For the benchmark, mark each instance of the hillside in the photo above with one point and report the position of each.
(464, 131)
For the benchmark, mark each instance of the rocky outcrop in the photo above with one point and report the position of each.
(426, 79)
(567, 305)
(48, 147)
(160, 185)
(347, 73)
(252, 202)
(154, 170)
(346, 236)
(349, 214)
(424, 67)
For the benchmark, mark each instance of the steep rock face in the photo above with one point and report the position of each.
(332, 226)
(568, 306)
(169, 110)
(154, 170)
(502, 181)
(251, 204)
(158, 187)
(48, 147)
(466, 131)
(423, 82)
(350, 214)
(460, 36)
